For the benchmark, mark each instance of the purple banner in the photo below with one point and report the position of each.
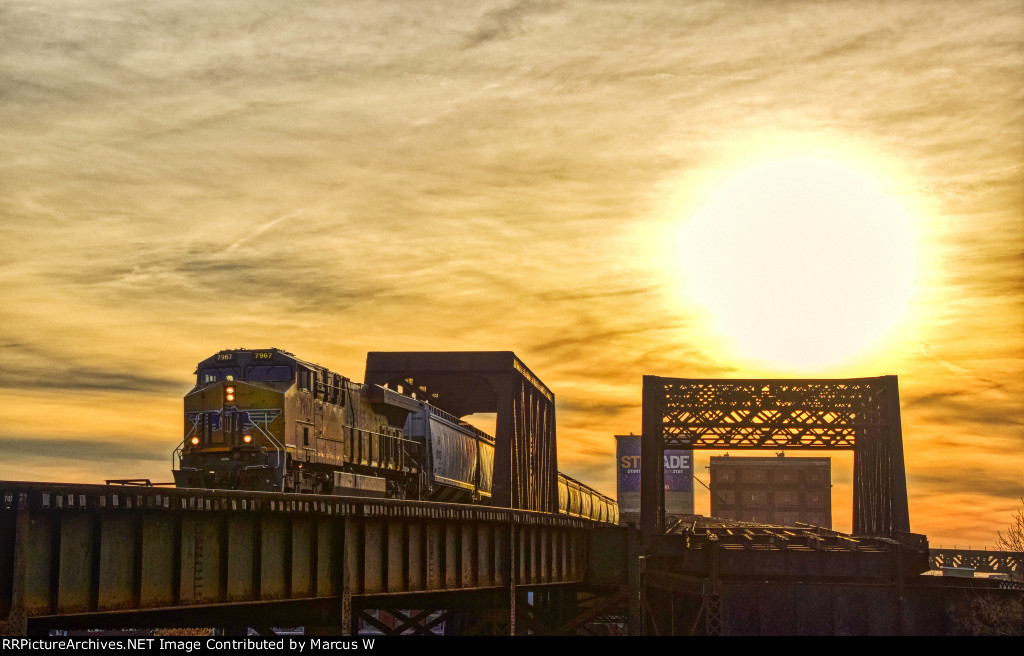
(678, 467)
(627, 455)
(679, 471)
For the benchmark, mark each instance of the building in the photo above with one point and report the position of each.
(773, 490)
(678, 481)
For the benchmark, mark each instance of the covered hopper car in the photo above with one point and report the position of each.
(267, 420)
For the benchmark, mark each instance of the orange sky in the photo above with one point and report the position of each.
(334, 178)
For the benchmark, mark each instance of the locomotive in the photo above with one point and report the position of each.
(263, 419)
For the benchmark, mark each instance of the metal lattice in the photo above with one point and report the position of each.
(979, 560)
(859, 414)
(778, 414)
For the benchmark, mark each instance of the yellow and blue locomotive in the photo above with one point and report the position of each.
(263, 419)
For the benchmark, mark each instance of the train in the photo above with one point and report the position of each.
(266, 420)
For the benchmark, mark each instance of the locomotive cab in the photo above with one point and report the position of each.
(233, 436)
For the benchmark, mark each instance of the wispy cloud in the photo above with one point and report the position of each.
(184, 177)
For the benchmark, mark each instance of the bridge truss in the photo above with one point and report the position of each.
(858, 414)
(467, 382)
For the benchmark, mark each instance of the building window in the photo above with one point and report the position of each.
(754, 476)
(305, 436)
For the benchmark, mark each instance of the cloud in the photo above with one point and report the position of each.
(506, 22)
(977, 479)
(332, 179)
(29, 366)
(99, 452)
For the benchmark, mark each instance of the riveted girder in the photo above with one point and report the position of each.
(115, 557)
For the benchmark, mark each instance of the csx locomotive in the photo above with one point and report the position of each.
(267, 420)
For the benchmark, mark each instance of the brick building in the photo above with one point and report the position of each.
(773, 490)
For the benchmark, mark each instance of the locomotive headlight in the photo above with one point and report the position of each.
(247, 438)
(195, 440)
(229, 393)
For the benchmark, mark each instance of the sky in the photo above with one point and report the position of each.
(558, 179)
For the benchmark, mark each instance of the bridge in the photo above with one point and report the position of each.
(108, 557)
(95, 556)
(1006, 563)
(468, 382)
(713, 577)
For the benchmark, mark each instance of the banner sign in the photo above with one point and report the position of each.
(678, 467)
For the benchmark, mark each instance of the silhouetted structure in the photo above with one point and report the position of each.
(463, 383)
(858, 414)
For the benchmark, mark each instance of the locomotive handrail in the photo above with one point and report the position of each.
(282, 452)
(179, 448)
(177, 452)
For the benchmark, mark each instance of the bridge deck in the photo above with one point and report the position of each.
(87, 549)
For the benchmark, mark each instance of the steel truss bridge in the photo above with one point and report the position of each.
(103, 557)
(468, 382)
(715, 577)
(859, 414)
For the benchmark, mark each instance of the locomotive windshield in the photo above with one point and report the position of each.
(217, 374)
(257, 373)
(269, 373)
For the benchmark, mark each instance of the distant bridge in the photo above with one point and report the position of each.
(979, 560)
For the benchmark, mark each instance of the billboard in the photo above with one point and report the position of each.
(678, 477)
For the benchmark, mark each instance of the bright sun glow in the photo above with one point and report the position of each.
(803, 262)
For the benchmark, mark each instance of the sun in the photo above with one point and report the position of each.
(803, 262)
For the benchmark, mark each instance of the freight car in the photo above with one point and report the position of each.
(267, 420)
(581, 500)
